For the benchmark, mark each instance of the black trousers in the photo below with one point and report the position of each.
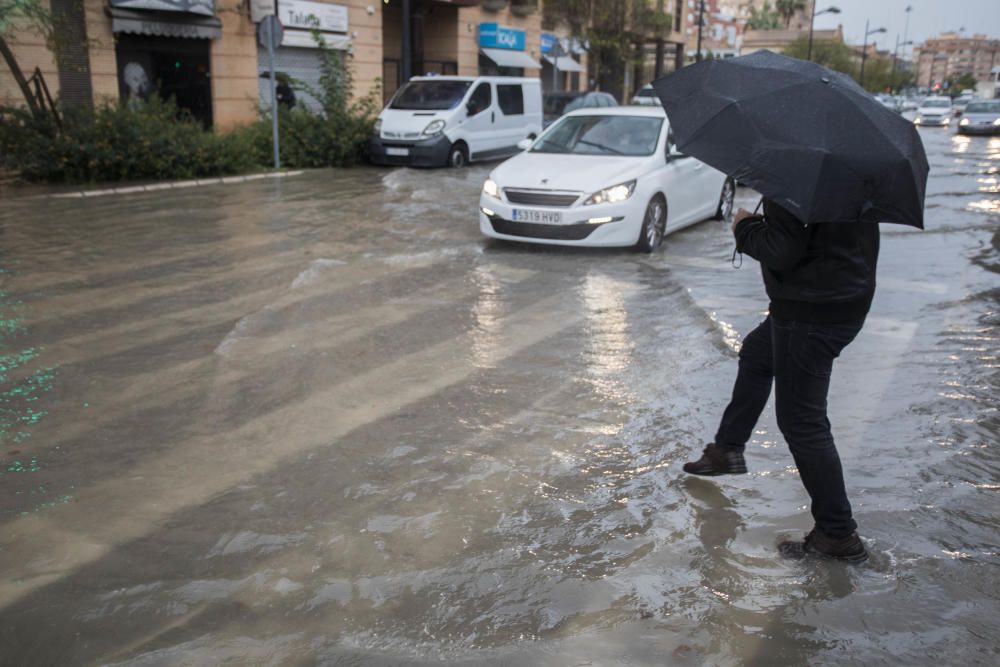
(798, 358)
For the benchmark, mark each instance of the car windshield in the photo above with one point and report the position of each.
(602, 135)
(430, 95)
(983, 107)
(555, 105)
(936, 103)
(646, 92)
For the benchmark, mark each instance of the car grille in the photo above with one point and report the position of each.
(400, 135)
(541, 197)
(538, 231)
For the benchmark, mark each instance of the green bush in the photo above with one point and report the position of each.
(336, 134)
(118, 142)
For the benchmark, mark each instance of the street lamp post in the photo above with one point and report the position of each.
(864, 51)
(892, 79)
(828, 10)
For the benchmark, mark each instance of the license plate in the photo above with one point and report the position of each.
(398, 152)
(528, 215)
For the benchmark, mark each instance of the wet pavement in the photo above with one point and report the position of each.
(320, 420)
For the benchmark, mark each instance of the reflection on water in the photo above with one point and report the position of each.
(609, 343)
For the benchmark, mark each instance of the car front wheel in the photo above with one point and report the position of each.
(654, 225)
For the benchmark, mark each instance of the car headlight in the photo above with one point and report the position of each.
(435, 127)
(378, 127)
(964, 121)
(997, 121)
(917, 121)
(491, 188)
(612, 195)
(947, 121)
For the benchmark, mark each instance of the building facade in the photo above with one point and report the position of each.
(207, 56)
(952, 54)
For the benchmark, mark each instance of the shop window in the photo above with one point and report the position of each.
(511, 99)
(175, 69)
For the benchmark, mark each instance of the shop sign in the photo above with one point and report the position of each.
(493, 36)
(312, 15)
(304, 40)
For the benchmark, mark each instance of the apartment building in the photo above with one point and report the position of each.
(953, 54)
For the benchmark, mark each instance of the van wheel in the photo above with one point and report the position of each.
(654, 225)
(458, 155)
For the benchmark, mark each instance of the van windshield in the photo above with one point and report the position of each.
(430, 95)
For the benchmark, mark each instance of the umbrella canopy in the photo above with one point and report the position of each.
(806, 137)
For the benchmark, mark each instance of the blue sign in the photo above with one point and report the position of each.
(493, 36)
(548, 40)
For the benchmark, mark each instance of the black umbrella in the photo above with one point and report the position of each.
(806, 137)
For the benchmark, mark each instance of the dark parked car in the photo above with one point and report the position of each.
(555, 105)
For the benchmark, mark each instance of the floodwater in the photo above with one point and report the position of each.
(320, 420)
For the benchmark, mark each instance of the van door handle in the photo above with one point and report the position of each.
(493, 116)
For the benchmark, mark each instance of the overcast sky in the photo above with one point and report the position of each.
(928, 18)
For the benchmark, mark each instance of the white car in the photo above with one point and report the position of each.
(959, 103)
(934, 111)
(602, 177)
(646, 97)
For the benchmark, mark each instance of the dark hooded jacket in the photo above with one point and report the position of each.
(821, 272)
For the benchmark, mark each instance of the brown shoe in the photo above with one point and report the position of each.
(716, 460)
(850, 549)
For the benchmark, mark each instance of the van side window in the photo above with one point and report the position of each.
(481, 99)
(511, 99)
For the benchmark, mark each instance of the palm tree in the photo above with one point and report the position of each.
(764, 18)
(787, 8)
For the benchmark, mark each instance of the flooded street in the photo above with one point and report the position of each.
(319, 420)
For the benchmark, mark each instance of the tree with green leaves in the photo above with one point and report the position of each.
(765, 18)
(614, 31)
(840, 57)
(960, 82)
(786, 9)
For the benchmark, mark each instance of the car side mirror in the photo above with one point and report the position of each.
(524, 144)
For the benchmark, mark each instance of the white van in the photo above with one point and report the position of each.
(435, 121)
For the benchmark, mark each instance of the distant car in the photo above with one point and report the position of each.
(959, 103)
(557, 104)
(602, 177)
(646, 97)
(981, 117)
(934, 111)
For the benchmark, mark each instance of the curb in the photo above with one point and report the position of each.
(170, 185)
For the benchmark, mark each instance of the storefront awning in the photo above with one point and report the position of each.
(564, 64)
(204, 7)
(505, 58)
(165, 24)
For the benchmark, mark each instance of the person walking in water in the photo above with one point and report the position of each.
(820, 279)
(831, 164)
